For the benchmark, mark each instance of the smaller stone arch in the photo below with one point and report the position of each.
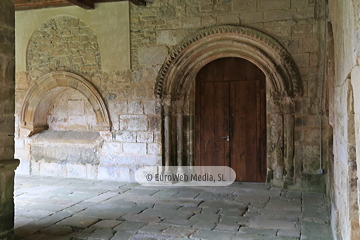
(34, 105)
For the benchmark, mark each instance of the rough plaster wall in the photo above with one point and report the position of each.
(157, 28)
(7, 101)
(344, 19)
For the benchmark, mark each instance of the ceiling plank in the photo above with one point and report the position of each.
(36, 4)
(28, 4)
(139, 2)
(86, 4)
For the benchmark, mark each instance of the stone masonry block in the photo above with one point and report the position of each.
(303, 30)
(126, 136)
(253, 17)
(111, 173)
(311, 45)
(133, 122)
(145, 137)
(228, 19)
(302, 59)
(299, 3)
(76, 170)
(49, 169)
(135, 148)
(192, 22)
(282, 32)
(91, 171)
(244, 6)
(293, 45)
(264, 5)
(154, 149)
(112, 148)
(152, 55)
(135, 107)
(207, 21)
(279, 15)
(171, 37)
(149, 107)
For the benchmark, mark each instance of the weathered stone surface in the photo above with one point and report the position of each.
(171, 37)
(152, 55)
(273, 224)
(107, 224)
(65, 153)
(76, 41)
(126, 136)
(57, 230)
(145, 137)
(145, 218)
(78, 221)
(130, 226)
(135, 148)
(244, 6)
(207, 234)
(133, 122)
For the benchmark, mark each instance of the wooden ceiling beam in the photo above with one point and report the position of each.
(86, 4)
(28, 4)
(139, 2)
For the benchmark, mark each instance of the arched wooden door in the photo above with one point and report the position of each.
(231, 118)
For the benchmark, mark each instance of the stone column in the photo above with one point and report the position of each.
(289, 151)
(7, 121)
(167, 134)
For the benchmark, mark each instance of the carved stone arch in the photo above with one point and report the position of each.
(30, 112)
(177, 76)
(193, 53)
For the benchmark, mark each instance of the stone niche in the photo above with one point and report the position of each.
(62, 119)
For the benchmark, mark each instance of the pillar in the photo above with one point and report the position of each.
(7, 125)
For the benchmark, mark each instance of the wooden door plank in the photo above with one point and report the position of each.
(207, 123)
(221, 116)
(250, 121)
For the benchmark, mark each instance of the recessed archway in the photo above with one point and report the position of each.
(174, 91)
(33, 107)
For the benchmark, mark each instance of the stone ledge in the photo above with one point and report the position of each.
(66, 137)
(9, 164)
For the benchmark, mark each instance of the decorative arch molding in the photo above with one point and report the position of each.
(186, 59)
(57, 80)
(175, 84)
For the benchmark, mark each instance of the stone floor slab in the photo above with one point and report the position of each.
(78, 221)
(83, 210)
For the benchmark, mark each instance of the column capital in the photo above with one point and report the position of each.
(9, 164)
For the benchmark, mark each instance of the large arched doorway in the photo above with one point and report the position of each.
(175, 91)
(230, 116)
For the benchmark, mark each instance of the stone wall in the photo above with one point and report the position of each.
(344, 105)
(93, 46)
(135, 138)
(296, 25)
(7, 95)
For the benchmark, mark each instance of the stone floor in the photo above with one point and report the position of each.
(49, 208)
